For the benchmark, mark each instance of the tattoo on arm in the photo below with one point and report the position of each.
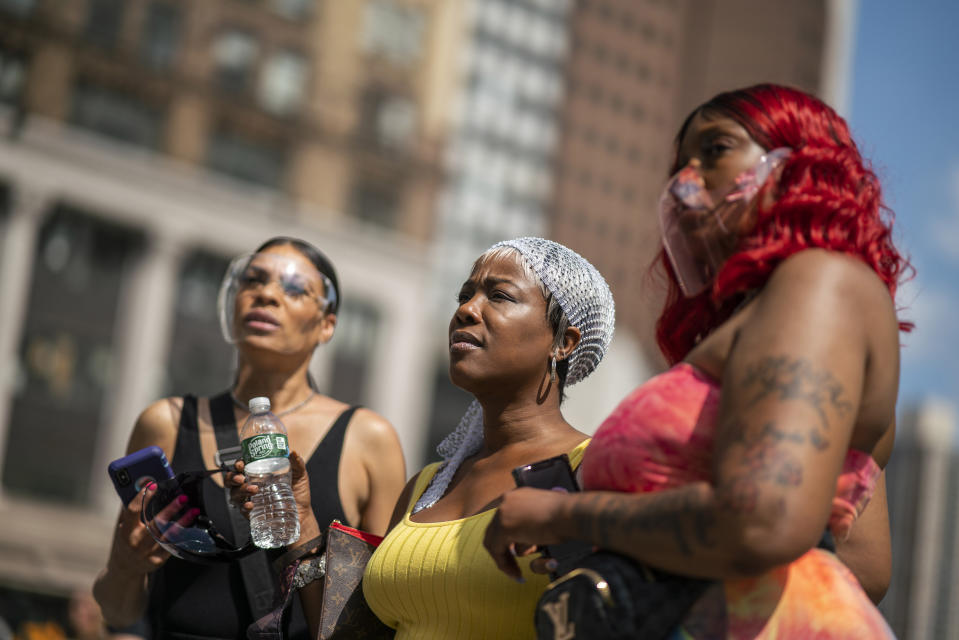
(768, 466)
(766, 459)
(677, 512)
(797, 379)
(768, 462)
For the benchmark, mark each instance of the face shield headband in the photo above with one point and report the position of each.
(177, 520)
(298, 282)
(699, 233)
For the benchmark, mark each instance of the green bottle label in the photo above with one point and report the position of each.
(267, 445)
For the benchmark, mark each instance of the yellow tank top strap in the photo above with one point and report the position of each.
(576, 455)
(430, 470)
(423, 481)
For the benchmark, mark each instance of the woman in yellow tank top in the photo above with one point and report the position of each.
(533, 317)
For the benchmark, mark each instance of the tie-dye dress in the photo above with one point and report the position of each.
(661, 436)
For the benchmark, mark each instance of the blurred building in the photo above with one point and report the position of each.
(335, 103)
(499, 155)
(922, 481)
(142, 144)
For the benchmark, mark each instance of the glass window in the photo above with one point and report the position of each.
(520, 27)
(103, 22)
(6, 202)
(390, 119)
(117, 115)
(354, 343)
(449, 404)
(293, 9)
(493, 15)
(17, 7)
(6, 199)
(642, 71)
(234, 54)
(161, 35)
(66, 358)
(392, 31)
(282, 82)
(375, 202)
(396, 121)
(245, 158)
(11, 77)
(200, 361)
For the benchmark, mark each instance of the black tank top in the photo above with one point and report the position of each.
(193, 601)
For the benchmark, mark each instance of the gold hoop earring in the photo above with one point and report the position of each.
(552, 370)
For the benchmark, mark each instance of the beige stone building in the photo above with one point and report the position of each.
(142, 144)
(338, 104)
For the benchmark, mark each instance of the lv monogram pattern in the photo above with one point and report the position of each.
(558, 613)
(345, 612)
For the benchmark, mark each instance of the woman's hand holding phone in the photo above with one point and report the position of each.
(134, 477)
(524, 523)
(525, 520)
(134, 549)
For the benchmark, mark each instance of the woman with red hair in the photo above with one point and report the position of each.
(752, 459)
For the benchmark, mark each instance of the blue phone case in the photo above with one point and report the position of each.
(130, 473)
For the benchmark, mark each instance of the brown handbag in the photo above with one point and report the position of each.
(345, 613)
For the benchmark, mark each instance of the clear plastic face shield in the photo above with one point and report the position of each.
(698, 233)
(297, 280)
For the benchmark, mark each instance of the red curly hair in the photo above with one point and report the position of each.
(827, 197)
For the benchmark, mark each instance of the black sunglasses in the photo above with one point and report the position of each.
(176, 518)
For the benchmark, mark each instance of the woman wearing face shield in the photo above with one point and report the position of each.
(763, 444)
(277, 305)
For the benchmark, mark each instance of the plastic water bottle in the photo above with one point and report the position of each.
(274, 521)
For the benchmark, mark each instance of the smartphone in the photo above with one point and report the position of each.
(554, 473)
(132, 472)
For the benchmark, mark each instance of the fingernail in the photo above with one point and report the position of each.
(152, 486)
(193, 512)
(552, 564)
(182, 499)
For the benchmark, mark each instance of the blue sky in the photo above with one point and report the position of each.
(905, 115)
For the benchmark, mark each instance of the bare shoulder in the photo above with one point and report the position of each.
(373, 430)
(157, 425)
(834, 310)
(829, 289)
(819, 272)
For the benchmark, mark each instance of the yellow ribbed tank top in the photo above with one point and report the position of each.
(435, 581)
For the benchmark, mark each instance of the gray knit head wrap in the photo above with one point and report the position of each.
(587, 302)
